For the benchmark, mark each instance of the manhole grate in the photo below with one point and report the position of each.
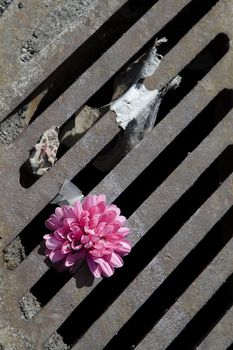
(180, 269)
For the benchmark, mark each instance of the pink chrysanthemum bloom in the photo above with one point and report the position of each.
(91, 230)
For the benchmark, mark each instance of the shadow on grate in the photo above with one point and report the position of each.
(169, 224)
(171, 289)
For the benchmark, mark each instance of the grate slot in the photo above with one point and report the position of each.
(195, 71)
(214, 275)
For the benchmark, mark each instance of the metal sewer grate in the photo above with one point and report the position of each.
(175, 289)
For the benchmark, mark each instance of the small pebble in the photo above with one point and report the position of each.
(20, 5)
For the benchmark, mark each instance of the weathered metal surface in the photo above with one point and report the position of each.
(20, 205)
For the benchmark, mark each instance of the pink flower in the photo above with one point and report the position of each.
(91, 230)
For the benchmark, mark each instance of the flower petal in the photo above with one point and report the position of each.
(69, 212)
(89, 201)
(66, 247)
(59, 212)
(53, 243)
(70, 259)
(124, 231)
(124, 247)
(53, 223)
(78, 209)
(56, 256)
(105, 267)
(94, 268)
(115, 260)
(101, 198)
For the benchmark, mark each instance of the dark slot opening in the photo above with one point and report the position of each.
(230, 347)
(190, 79)
(50, 282)
(176, 283)
(205, 320)
(71, 330)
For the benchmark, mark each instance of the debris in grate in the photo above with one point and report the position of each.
(137, 109)
(75, 128)
(68, 194)
(43, 155)
(29, 306)
(14, 254)
(136, 112)
(102, 164)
